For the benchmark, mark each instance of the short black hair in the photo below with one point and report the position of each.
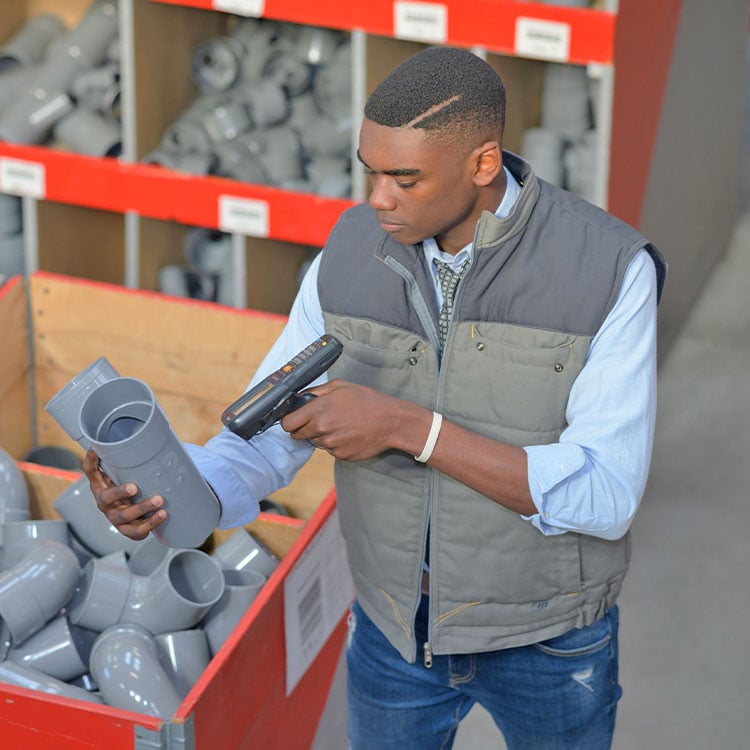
(445, 90)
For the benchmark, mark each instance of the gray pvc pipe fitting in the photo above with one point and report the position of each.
(33, 679)
(190, 162)
(175, 594)
(216, 63)
(31, 120)
(77, 505)
(87, 132)
(267, 102)
(91, 38)
(60, 650)
(316, 45)
(184, 655)
(11, 215)
(124, 424)
(65, 406)
(98, 90)
(21, 537)
(183, 587)
(100, 596)
(14, 493)
(125, 665)
(36, 589)
(12, 261)
(28, 46)
(12, 81)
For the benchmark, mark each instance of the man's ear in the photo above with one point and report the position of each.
(488, 162)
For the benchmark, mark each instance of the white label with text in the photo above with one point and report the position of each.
(546, 40)
(24, 178)
(250, 8)
(422, 22)
(243, 216)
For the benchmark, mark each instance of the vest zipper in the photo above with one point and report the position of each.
(418, 302)
(427, 648)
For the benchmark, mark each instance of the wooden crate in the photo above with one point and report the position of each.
(196, 357)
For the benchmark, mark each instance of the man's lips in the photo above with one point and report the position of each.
(389, 226)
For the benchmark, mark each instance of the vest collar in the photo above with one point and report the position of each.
(491, 230)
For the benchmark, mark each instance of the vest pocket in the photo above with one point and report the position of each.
(389, 360)
(512, 381)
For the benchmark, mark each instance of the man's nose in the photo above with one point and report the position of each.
(381, 196)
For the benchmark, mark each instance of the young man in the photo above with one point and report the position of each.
(490, 459)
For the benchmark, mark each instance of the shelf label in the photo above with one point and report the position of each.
(243, 216)
(24, 178)
(421, 22)
(251, 8)
(547, 40)
(317, 594)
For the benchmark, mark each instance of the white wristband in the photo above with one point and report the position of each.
(429, 446)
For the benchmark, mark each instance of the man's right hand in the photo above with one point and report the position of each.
(133, 520)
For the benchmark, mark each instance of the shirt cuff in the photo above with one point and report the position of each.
(548, 466)
(238, 505)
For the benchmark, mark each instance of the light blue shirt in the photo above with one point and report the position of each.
(591, 481)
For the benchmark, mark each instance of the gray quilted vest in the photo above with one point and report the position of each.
(539, 286)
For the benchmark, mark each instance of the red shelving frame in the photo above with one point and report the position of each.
(160, 193)
(484, 23)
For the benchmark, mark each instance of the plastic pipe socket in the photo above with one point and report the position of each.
(175, 595)
(36, 589)
(65, 406)
(124, 424)
(125, 665)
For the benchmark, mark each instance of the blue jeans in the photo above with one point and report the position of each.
(559, 694)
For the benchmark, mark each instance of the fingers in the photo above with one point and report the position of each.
(98, 480)
(139, 519)
(132, 519)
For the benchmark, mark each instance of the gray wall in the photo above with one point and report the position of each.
(692, 197)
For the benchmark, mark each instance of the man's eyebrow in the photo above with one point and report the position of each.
(391, 172)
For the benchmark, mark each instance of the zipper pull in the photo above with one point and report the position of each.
(427, 655)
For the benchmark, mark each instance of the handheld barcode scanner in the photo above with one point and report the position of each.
(278, 394)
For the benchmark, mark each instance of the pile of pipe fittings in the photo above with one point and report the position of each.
(61, 86)
(208, 271)
(563, 149)
(273, 107)
(89, 614)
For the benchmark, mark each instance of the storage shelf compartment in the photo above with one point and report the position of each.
(82, 242)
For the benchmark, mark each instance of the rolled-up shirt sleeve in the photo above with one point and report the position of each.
(242, 472)
(592, 480)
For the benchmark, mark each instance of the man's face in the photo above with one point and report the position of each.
(420, 188)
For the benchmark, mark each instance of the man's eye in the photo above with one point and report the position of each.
(406, 185)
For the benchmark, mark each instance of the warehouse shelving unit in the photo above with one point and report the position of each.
(117, 220)
(137, 213)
